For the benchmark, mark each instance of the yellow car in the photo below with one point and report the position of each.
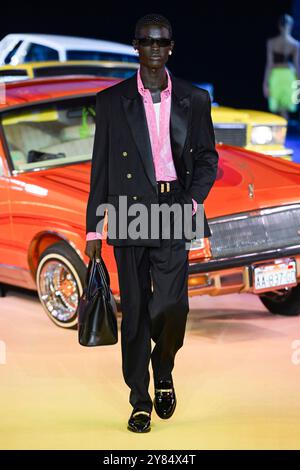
(104, 68)
(255, 130)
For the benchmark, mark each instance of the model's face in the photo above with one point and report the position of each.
(153, 55)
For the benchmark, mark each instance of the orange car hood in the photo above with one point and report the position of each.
(246, 180)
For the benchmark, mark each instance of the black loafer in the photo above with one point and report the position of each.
(164, 398)
(139, 421)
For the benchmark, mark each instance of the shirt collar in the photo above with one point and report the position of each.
(143, 91)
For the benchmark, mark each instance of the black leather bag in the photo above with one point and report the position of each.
(97, 310)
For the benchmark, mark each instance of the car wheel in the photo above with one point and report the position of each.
(60, 279)
(283, 302)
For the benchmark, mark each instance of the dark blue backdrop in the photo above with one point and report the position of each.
(225, 44)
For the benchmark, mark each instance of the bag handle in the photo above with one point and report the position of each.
(104, 276)
(89, 276)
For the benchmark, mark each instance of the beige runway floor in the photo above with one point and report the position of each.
(237, 380)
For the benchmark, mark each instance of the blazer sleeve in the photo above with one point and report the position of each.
(205, 156)
(99, 168)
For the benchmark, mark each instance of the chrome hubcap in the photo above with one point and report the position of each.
(59, 290)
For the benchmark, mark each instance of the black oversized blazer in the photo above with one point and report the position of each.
(122, 162)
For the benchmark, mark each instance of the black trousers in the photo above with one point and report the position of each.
(158, 312)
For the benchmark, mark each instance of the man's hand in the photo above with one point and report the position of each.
(184, 198)
(93, 249)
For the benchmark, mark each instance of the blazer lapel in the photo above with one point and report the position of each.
(136, 117)
(179, 117)
(135, 114)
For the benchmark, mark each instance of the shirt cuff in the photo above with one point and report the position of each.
(94, 236)
(194, 206)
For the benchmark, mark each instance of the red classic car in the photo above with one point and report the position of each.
(46, 140)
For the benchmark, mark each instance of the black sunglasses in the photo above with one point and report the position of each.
(149, 41)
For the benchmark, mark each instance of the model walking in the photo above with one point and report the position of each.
(154, 143)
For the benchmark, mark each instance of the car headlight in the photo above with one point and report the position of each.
(268, 135)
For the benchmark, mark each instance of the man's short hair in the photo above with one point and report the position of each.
(152, 19)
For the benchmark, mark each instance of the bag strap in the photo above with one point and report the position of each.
(104, 277)
(102, 270)
(89, 276)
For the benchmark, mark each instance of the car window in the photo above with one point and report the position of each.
(53, 134)
(12, 75)
(37, 52)
(100, 55)
(50, 71)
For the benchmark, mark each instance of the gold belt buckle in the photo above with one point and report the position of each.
(168, 187)
(162, 187)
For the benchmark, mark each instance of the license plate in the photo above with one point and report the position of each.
(278, 274)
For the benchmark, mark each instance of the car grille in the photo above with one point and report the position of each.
(231, 134)
(256, 231)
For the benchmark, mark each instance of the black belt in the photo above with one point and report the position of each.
(167, 186)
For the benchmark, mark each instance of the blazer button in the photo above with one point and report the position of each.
(134, 197)
(187, 172)
(191, 150)
(129, 175)
(124, 154)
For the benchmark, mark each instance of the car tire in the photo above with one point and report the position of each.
(283, 302)
(60, 279)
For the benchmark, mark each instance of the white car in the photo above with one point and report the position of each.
(19, 48)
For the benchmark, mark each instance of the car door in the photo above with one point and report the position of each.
(8, 264)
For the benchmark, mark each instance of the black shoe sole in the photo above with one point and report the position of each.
(135, 430)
